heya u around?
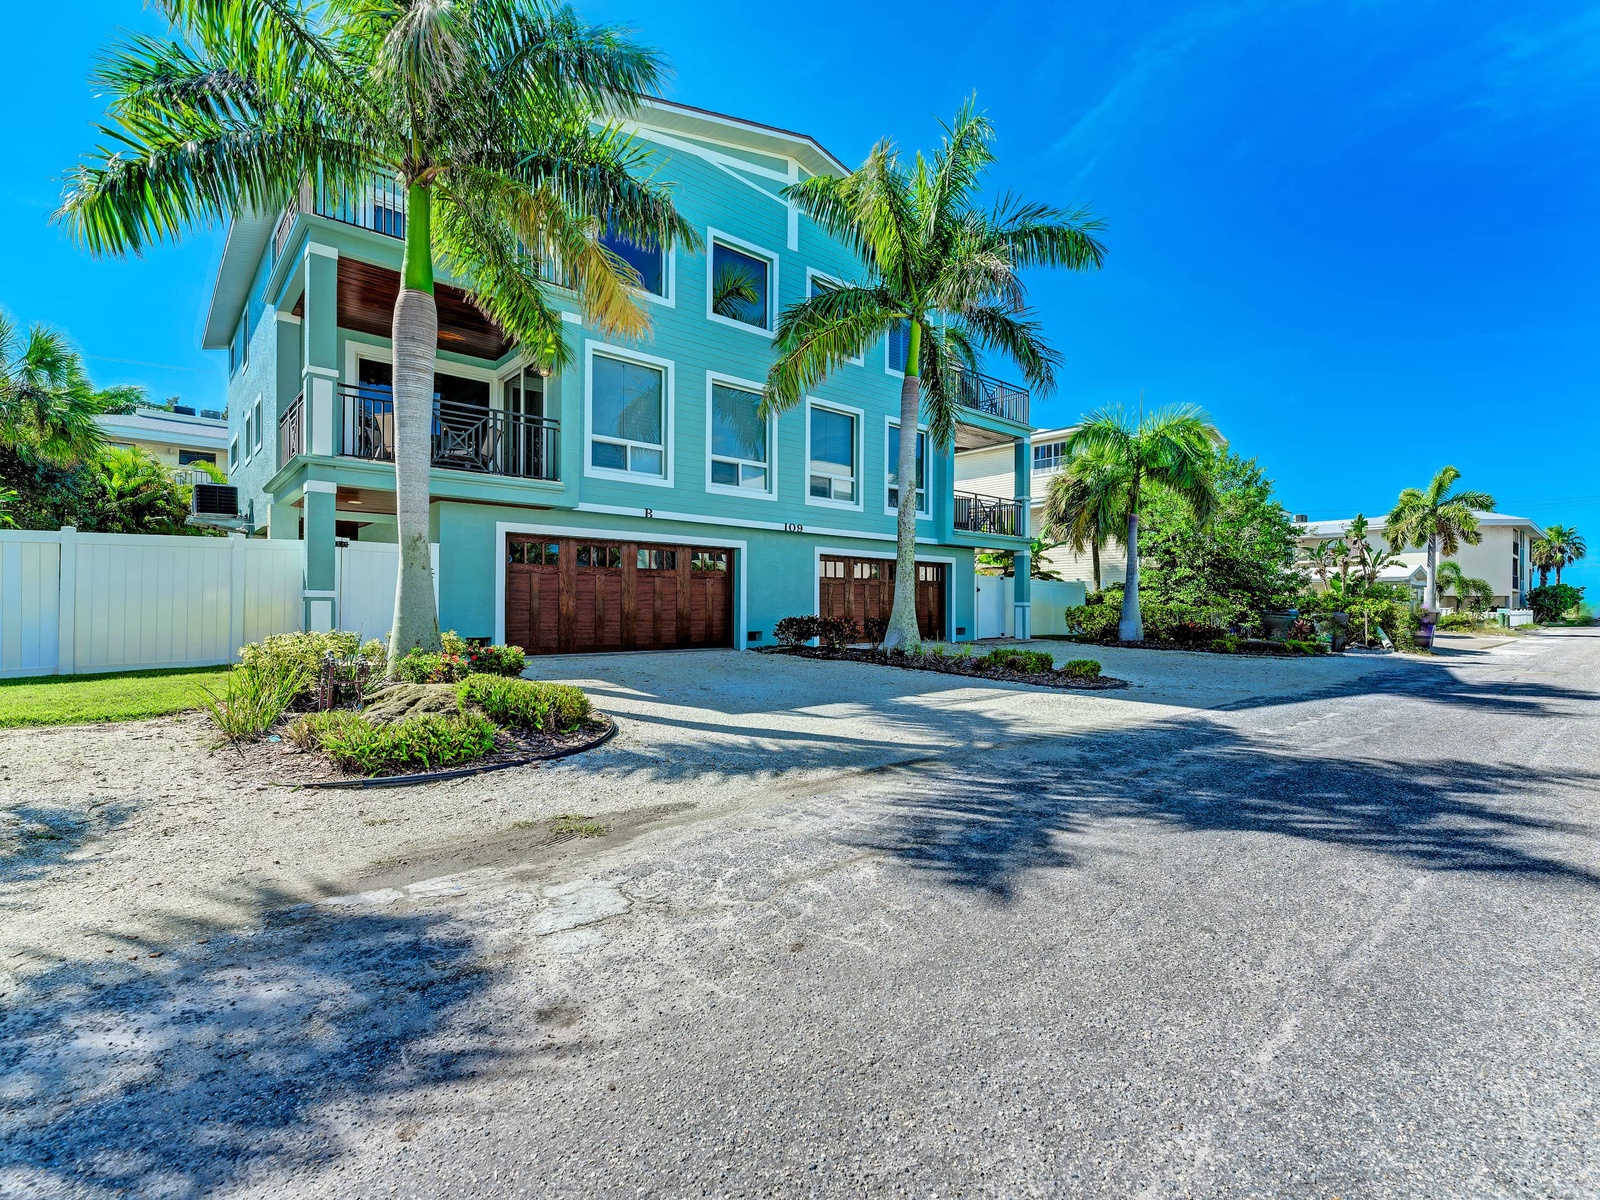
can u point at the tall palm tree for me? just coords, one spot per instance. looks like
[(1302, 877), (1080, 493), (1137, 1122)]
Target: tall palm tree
[(1546, 556), (943, 270), (1083, 506), (484, 111), (1440, 520), (47, 404), (1173, 449), (1566, 547)]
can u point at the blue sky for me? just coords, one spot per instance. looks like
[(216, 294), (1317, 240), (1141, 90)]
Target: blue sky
[(1362, 235)]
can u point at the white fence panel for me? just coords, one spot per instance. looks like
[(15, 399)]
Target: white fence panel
[(367, 575), (273, 577), (1051, 599), (1048, 600), (993, 605), (30, 603)]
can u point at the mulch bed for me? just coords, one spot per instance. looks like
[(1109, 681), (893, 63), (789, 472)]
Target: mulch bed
[(277, 760), (954, 665)]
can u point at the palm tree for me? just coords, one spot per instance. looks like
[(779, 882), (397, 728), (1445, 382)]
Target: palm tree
[(1472, 594), (1083, 506), (484, 111), (1173, 449), (1439, 519), (1566, 547), (47, 404), (942, 270), (1322, 560), (1546, 556)]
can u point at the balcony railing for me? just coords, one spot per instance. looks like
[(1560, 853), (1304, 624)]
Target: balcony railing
[(985, 394), (292, 430), (465, 437), (988, 514)]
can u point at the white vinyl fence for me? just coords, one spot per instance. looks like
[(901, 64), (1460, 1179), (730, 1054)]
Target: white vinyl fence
[(367, 575), (1049, 599), (73, 603)]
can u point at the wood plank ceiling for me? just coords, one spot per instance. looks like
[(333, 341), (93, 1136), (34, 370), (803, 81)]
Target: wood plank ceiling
[(366, 304)]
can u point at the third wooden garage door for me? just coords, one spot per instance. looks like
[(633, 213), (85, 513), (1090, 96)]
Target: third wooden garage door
[(571, 595), (859, 589)]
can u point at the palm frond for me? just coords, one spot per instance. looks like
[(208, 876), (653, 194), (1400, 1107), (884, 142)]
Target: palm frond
[(816, 337), (1019, 339), (1041, 235)]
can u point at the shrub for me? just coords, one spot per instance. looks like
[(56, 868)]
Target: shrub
[(1096, 620), (795, 631), (1228, 643), (831, 633), (421, 666), (1460, 620), (1302, 646), (416, 743), (873, 630), (287, 655), (1554, 601), (253, 698), (1081, 668), (495, 660), (526, 703), (1009, 658)]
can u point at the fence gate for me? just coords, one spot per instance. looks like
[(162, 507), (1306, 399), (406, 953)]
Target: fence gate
[(366, 575)]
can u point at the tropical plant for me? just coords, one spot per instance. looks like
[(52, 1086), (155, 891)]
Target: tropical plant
[(139, 495), (943, 272), (8, 497), (1564, 545), (252, 698), (486, 112), (1554, 602), (1322, 560), (1004, 562), (1081, 507), (1545, 558), (47, 404), (1472, 595), (1171, 450), (1439, 520)]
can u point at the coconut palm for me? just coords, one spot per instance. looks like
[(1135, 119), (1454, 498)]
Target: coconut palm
[(1566, 546), (941, 270), (1173, 449), (484, 111), (1083, 506), (1438, 519), (1472, 594), (47, 404), (1545, 557)]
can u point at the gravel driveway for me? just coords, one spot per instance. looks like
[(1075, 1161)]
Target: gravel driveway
[(1245, 929)]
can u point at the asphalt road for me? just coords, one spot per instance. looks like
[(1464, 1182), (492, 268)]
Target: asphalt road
[(1345, 945)]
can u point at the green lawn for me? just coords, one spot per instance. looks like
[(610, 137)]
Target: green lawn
[(81, 699)]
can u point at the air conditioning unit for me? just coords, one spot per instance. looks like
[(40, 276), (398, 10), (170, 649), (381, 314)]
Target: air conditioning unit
[(215, 500)]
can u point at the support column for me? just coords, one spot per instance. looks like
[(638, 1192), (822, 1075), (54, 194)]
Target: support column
[(283, 522), (1022, 579), (319, 596), (320, 374)]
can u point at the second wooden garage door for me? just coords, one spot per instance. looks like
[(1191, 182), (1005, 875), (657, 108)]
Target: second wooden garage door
[(570, 595), (860, 589)]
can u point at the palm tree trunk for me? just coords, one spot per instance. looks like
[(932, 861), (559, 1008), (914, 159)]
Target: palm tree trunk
[(1094, 554), (416, 339), (903, 633), (1430, 594), (1131, 627)]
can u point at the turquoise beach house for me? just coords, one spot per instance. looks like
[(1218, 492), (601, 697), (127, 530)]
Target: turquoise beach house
[(634, 500)]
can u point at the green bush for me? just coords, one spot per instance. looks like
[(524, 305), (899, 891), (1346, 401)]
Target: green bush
[(1081, 668), (422, 666), (253, 697), (1554, 601), (1300, 646), (1096, 620), (526, 703), (831, 632), (1009, 658), (1228, 643), (416, 743), (288, 655)]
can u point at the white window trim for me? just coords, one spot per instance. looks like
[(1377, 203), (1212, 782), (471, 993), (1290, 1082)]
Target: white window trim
[(861, 456), (261, 437), (669, 276), (234, 461), (773, 307), (887, 369), (722, 489), (811, 274), (668, 369), (891, 433)]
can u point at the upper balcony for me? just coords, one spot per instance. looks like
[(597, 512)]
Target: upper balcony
[(990, 397)]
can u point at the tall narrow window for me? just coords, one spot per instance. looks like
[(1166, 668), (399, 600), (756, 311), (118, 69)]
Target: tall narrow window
[(259, 423), (628, 413), (740, 286), (892, 470), (739, 435), (816, 285), (899, 346), (649, 261), (832, 469)]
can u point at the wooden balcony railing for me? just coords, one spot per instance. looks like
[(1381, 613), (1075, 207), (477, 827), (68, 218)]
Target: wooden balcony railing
[(465, 437), (988, 514)]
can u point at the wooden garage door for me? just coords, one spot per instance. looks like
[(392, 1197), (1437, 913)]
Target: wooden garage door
[(570, 595), (859, 589)]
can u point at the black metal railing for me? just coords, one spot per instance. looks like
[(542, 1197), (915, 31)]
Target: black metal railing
[(985, 394), (465, 437), (292, 430), (988, 514)]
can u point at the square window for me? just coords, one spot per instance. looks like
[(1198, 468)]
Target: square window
[(649, 261), (628, 415), (892, 469), (740, 286), (584, 553), (832, 467), (739, 439)]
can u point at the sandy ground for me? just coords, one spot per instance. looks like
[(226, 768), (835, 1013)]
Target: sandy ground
[(116, 836)]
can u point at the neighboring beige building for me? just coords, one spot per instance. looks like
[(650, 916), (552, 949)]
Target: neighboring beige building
[(988, 472), (174, 438), (1501, 557)]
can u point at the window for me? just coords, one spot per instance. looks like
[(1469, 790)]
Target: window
[(649, 261), (239, 348), (816, 285), (249, 433), (535, 554), (739, 285), (257, 442), (1047, 456), (740, 436), (604, 558), (657, 560), (233, 454), (892, 469), (899, 347), (627, 416), (187, 457), (831, 468), (709, 560)]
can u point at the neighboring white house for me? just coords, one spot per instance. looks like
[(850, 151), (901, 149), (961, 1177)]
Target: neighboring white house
[(174, 438), (1501, 557), (988, 472)]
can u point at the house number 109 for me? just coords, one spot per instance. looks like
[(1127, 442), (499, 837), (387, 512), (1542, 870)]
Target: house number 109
[(793, 528)]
